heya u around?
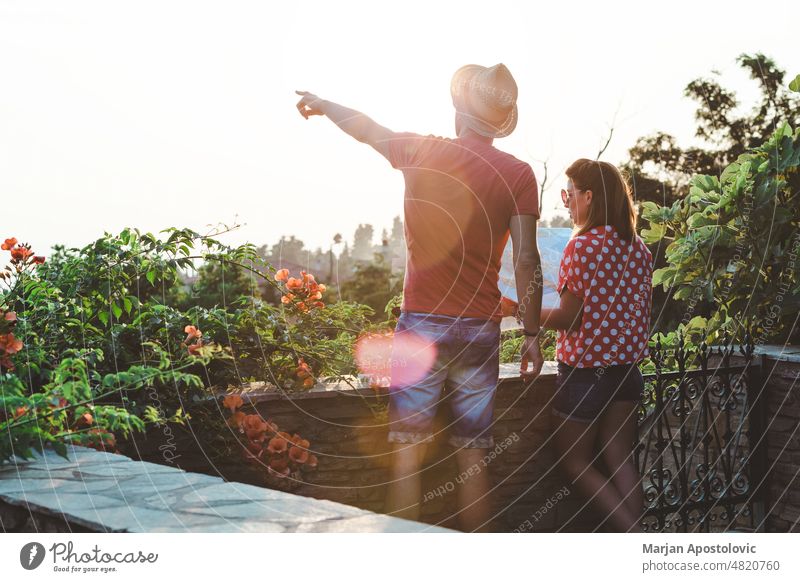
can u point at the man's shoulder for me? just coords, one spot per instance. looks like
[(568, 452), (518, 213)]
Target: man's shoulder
[(417, 136), (514, 165)]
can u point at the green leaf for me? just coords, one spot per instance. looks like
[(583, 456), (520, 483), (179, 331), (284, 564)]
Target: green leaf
[(103, 316), (654, 234), (116, 309), (60, 448), (683, 293), (151, 276), (648, 209), (663, 276), (795, 84)]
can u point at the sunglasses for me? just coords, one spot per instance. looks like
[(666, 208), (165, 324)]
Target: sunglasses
[(566, 194)]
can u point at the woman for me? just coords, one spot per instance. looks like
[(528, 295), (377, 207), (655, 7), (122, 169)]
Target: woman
[(605, 286)]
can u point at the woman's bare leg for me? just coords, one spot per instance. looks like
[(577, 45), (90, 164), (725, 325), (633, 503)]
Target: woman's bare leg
[(574, 442), (616, 435)]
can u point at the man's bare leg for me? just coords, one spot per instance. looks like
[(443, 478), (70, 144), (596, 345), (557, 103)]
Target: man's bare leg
[(405, 485), (473, 494)]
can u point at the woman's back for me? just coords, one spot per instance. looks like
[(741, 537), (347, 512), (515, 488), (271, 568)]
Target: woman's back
[(614, 279)]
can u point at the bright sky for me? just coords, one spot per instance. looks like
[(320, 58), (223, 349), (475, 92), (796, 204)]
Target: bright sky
[(154, 114)]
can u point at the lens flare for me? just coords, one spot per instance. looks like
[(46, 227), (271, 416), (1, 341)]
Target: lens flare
[(405, 358)]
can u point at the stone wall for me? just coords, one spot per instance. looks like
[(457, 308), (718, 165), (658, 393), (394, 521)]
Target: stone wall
[(349, 438), (783, 445)]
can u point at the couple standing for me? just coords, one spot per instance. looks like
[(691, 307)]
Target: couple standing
[(463, 199)]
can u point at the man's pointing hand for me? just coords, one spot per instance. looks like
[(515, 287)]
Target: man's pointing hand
[(309, 104)]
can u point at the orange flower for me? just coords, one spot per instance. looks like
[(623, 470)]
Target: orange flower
[(195, 348), (319, 304), (20, 253), (236, 419), (9, 244), (277, 445), (312, 461), (282, 275), (279, 467), (302, 306), (294, 284), (253, 426), (21, 411), (299, 441), (303, 369), (9, 344), (286, 299), (308, 383), (86, 419), (232, 401), (10, 316), (298, 455), (307, 277), (191, 333), (322, 288), (38, 260), (316, 295)]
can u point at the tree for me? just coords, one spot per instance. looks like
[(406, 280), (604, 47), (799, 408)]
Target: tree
[(733, 243), (287, 250), (218, 285), (362, 242), (372, 285), (660, 169)]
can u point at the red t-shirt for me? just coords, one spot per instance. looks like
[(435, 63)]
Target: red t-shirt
[(460, 197), (614, 278)]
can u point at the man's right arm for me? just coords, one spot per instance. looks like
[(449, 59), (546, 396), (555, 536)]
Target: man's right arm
[(527, 269), (352, 122), (528, 275)]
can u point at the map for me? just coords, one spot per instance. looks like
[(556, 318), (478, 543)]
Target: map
[(551, 242)]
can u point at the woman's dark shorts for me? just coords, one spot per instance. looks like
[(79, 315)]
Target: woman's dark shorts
[(583, 394)]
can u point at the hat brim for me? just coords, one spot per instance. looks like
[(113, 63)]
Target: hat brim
[(461, 102)]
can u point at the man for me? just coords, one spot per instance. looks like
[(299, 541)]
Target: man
[(463, 198)]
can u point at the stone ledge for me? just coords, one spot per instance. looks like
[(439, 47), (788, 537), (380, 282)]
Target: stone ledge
[(111, 493), (265, 391), (780, 353)]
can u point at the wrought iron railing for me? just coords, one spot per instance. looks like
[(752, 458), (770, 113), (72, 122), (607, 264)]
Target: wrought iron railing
[(701, 447)]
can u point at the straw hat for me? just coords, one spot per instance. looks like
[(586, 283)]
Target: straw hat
[(487, 99)]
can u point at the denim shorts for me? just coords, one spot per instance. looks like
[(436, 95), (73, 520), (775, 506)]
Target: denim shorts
[(582, 394), (455, 360)]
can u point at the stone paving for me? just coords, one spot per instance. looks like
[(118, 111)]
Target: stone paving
[(105, 492)]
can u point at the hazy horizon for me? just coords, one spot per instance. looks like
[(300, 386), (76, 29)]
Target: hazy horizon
[(178, 114)]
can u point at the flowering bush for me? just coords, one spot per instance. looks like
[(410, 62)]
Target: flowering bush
[(264, 444), (302, 293), (118, 315), (63, 409)]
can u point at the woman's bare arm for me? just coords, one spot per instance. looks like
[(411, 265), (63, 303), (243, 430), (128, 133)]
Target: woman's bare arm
[(567, 316)]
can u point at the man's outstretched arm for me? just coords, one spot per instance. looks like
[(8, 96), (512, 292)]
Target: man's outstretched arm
[(350, 121)]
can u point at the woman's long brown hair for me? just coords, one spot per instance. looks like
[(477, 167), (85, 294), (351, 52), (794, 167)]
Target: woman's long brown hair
[(612, 202)]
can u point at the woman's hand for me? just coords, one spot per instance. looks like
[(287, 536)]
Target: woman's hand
[(531, 353)]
